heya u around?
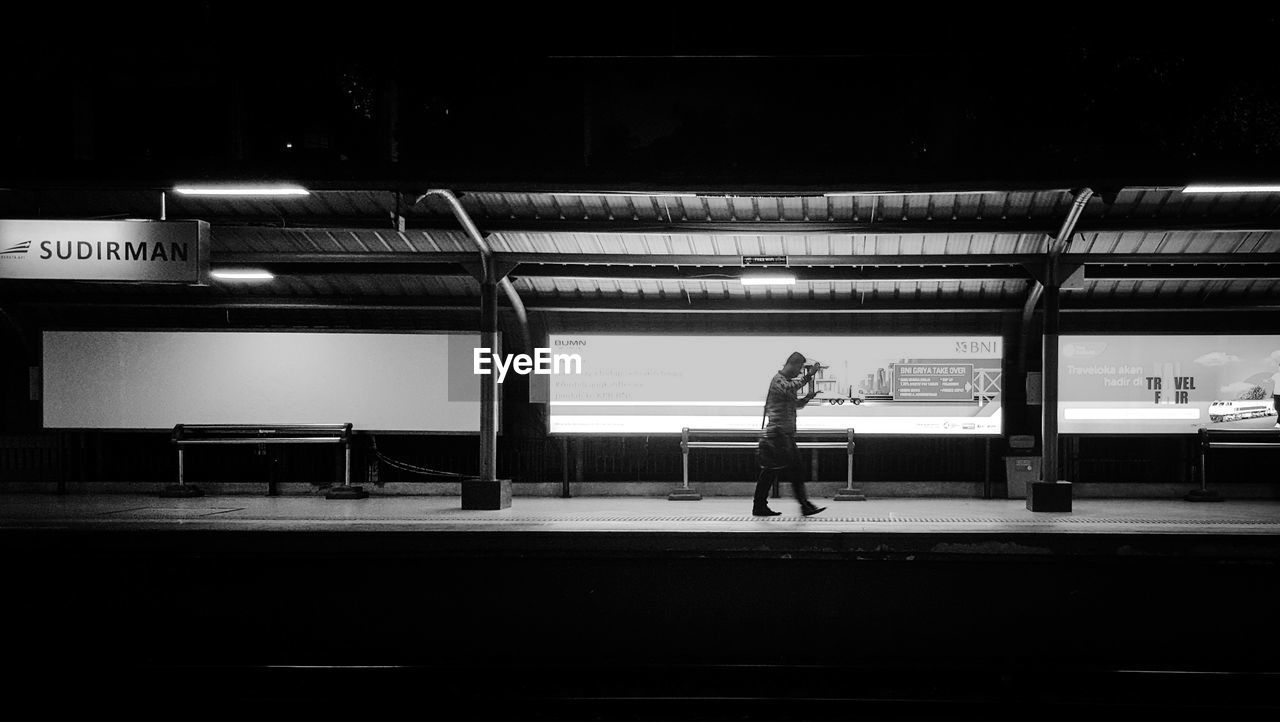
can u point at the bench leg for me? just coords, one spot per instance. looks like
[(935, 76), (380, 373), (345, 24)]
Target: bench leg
[(346, 491), (181, 490)]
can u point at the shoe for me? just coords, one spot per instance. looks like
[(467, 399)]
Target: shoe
[(764, 511), (810, 509)]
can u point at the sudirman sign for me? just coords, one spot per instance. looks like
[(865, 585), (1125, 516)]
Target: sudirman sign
[(136, 251)]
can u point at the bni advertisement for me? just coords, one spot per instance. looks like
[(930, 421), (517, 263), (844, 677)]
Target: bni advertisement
[(873, 384), (1166, 384)]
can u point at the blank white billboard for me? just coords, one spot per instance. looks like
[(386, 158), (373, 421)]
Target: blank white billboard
[(157, 379)]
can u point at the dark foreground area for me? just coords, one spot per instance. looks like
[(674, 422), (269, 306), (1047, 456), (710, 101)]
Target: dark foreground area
[(574, 626)]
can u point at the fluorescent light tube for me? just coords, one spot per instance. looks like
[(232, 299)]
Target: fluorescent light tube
[(245, 190), (242, 275), (768, 279), (1232, 189)]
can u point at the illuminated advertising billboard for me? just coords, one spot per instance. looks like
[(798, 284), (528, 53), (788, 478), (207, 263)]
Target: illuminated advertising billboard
[(1166, 384), (155, 379), (873, 384)]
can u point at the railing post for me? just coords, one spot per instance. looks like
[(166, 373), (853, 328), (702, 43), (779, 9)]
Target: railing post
[(181, 490), (849, 493), (565, 491), (346, 491), (1203, 493), (684, 493)]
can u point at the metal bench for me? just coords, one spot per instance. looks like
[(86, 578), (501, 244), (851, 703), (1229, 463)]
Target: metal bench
[(185, 435), (750, 439), (1229, 439)]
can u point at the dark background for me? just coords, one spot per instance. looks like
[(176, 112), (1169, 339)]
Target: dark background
[(607, 94), (601, 96)]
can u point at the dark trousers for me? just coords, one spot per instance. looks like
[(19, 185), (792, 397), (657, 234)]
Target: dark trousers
[(768, 476)]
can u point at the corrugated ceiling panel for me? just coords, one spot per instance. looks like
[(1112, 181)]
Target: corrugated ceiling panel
[(816, 245), (1266, 243), (612, 243), (968, 206), (681, 244), (486, 205), (931, 243), (599, 209), (716, 207), (1238, 287), (1095, 243), (552, 243), (742, 208), (910, 245), (539, 285), (1019, 204), (446, 241), (545, 205), (620, 208), (795, 208), (916, 207), (836, 208), (767, 209), (573, 207)]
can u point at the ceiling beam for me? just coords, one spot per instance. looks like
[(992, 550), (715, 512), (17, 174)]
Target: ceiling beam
[(727, 261), (1015, 226), (646, 303), (1181, 272)]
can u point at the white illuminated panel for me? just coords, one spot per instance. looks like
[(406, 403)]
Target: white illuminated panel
[(755, 404), (156, 379), (1166, 384), (1131, 414), (938, 385)]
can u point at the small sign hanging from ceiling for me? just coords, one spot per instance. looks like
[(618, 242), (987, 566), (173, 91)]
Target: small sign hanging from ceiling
[(764, 260), (124, 251)]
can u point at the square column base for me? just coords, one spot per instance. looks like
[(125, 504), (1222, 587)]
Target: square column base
[(1049, 496), (346, 492), (684, 495), (486, 495), (181, 491), (1203, 495), (849, 495)]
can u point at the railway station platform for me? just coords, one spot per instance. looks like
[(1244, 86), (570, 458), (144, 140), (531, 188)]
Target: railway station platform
[(609, 608)]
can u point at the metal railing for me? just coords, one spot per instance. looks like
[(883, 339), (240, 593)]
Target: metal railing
[(1229, 439), (259, 435), (750, 439)]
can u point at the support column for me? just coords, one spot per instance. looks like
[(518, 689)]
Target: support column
[(1050, 493), (488, 492)]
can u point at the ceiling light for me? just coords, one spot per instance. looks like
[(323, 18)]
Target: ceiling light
[(247, 274), (641, 194), (1232, 189), (243, 190), (768, 279)]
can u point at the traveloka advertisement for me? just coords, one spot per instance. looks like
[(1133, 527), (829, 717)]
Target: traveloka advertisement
[(1166, 384)]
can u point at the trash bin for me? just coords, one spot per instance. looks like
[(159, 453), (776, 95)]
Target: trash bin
[(1020, 471)]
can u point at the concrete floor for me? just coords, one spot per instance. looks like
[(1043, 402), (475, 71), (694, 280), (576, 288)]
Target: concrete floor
[(601, 514)]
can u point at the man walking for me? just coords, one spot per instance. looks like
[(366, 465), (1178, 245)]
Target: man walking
[(779, 457)]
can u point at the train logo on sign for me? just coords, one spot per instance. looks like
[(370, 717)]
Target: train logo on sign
[(17, 250)]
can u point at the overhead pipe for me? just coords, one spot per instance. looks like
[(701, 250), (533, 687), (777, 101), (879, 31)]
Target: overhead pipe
[(487, 265), (1057, 245)]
